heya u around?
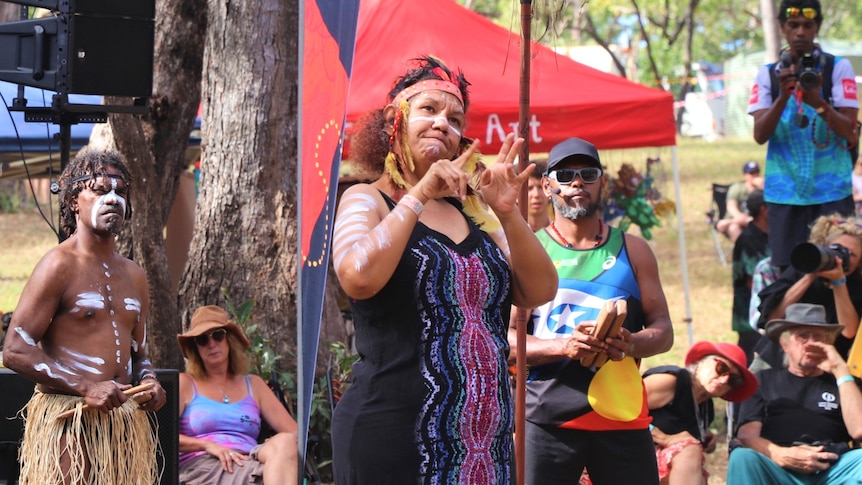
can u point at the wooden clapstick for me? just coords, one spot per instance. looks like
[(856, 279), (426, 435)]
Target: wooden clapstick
[(614, 329), (604, 321), (128, 392)]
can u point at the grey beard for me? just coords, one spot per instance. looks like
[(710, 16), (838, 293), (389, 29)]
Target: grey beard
[(574, 213)]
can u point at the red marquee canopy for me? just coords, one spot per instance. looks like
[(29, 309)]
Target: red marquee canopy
[(566, 98)]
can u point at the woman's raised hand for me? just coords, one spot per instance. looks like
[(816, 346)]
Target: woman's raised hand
[(499, 185), (446, 178)]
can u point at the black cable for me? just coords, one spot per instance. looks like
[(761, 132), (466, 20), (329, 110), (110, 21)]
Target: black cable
[(27, 168)]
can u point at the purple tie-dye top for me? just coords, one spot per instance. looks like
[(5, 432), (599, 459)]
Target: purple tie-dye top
[(234, 425)]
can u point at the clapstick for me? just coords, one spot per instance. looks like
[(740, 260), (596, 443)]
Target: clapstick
[(128, 392), (613, 330), (604, 321)]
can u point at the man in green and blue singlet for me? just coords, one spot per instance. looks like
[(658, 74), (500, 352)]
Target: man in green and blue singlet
[(586, 417)]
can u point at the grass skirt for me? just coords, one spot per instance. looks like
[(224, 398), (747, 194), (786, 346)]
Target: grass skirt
[(117, 448)]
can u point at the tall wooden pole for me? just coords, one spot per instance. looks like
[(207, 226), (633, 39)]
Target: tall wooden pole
[(523, 160)]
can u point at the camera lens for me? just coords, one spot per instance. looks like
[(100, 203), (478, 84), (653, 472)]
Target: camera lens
[(808, 80), (811, 258)]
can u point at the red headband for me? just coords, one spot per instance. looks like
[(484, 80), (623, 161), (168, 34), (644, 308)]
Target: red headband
[(428, 85)]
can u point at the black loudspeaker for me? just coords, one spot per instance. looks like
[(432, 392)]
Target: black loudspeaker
[(169, 427), (100, 47), (16, 391)]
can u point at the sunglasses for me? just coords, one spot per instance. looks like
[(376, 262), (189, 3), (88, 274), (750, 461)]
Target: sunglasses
[(723, 369), (807, 12), (217, 335), (565, 176)]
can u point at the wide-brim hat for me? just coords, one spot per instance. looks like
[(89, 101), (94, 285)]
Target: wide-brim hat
[(734, 354), (801, 315), (575, 149), (206, 319)]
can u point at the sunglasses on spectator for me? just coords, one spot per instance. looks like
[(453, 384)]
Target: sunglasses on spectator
[(722, 368), (807, 12), (565, 176), (217, 335)]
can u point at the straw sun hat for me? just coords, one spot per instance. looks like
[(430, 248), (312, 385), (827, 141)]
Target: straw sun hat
[(205, 320)]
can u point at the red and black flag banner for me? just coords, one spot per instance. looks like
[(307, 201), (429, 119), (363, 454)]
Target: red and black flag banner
[(327, 36)]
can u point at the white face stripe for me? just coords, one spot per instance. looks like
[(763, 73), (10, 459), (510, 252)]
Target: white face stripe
[(434, 119), (101, 201)]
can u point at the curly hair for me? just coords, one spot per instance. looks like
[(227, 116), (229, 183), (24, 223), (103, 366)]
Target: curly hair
[(369, 142), (826, 229), (74, 179)]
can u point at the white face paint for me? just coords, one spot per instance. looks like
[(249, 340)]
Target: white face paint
[(103, 200), (25, 336), (435, 119)]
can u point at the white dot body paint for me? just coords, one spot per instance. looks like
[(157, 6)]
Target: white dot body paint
[(102, 200), (25, 336)]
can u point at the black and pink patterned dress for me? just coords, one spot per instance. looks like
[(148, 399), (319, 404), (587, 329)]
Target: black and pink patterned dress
[(430, 401)]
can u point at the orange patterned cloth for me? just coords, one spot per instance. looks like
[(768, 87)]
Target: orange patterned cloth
[(664, 456)]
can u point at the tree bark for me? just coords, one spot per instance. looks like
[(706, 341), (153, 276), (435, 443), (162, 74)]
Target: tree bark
[(771, 33), (245, 231), (155, 146)]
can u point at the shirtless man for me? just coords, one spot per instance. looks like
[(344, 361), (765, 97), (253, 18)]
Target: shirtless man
[(79, 330)]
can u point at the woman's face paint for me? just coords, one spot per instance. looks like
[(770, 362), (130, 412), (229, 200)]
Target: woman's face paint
[(435, 124)]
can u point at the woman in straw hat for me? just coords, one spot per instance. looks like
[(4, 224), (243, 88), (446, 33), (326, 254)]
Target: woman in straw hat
[(221, 406), (680, 403)]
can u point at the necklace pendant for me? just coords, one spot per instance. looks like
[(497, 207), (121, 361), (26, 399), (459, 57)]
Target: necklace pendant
[(226, 400)]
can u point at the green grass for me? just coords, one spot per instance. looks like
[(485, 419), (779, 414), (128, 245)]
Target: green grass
[(24, 238)]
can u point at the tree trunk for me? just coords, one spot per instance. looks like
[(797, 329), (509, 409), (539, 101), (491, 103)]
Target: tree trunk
[(771, 32), (155, 146), (245, 231), (9, 12)]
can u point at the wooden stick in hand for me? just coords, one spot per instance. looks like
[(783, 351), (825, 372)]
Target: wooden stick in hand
[(128, 392)]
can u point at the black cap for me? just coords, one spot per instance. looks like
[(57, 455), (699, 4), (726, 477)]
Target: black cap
[(754, 203), (751, 167), (575, 149)]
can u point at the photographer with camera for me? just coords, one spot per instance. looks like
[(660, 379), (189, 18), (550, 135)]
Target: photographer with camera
[(805, 107), (825, 271), (804, 422)]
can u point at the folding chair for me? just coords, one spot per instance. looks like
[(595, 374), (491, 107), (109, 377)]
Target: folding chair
[(716, 213)]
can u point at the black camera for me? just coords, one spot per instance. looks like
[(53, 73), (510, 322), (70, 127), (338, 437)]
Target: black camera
[(811, 258), (806, 68)]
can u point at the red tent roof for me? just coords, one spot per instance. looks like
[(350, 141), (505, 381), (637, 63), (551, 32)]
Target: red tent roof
[(566, 98)]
